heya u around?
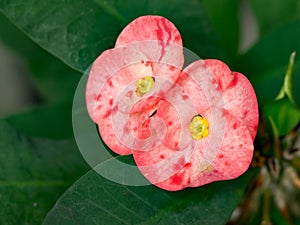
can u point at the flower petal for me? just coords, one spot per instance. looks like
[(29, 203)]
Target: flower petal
[(232, 160), (241, 101), (192, 168), (238, 94), (111, 88), (119, 67), (110, 62), (168, 44), (164, 167), (149, 28)]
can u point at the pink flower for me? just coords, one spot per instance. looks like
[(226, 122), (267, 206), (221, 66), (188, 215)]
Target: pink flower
[(185, 128)]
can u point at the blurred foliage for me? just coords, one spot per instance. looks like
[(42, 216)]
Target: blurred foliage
[(265, 64), (53, 79), (272, 14), (34, 173), (224, 19)]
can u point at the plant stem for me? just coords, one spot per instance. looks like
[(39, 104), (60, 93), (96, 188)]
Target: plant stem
[(277, 149), (266, 220)]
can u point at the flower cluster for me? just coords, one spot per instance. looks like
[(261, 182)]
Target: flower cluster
[(185, 127)]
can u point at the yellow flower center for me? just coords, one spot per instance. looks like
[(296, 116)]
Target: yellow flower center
[(144, 85), (199, 127)]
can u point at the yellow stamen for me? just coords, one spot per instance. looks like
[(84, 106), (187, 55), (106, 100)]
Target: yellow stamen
[(144, 85), (199, 127)]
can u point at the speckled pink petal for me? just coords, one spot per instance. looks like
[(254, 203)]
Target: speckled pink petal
[(100, 89), (165, 167), (122, 66), (193, 169), (232, 160), (149, 28), (238, 94), (113, 72), (241, 101)]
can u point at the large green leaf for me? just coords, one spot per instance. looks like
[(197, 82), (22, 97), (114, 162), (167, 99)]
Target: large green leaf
[(34, 173), (266, 63), (278, 13), (78, 31), (95, 200), (224, 17), (50, 121), (53, 80)]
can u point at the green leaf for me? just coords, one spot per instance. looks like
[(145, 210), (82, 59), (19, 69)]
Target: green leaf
[(95, 200), (78, 31), (224, 18), (284, 114), (51, 121), (286, 89), (278, 13), (266, 63), (53, 80), (34, 173)]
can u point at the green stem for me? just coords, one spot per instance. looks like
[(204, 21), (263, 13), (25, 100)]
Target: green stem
[(266, 219), (277, 149)]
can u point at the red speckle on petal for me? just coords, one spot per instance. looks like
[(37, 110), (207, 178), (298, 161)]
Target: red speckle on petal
[(170, 123), (175, 145), (233, 82), (159, 33), (220, 156), (98, 107), (110, 83), (176, 179), (234, 126), (162, 156), (148, 63), (255, 127), (189, 181), (111, 102), (187, 165), (107, 114), (98, 97), (177, 38), (142, 61), (172, 68), (227, 163), (185, 97)]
